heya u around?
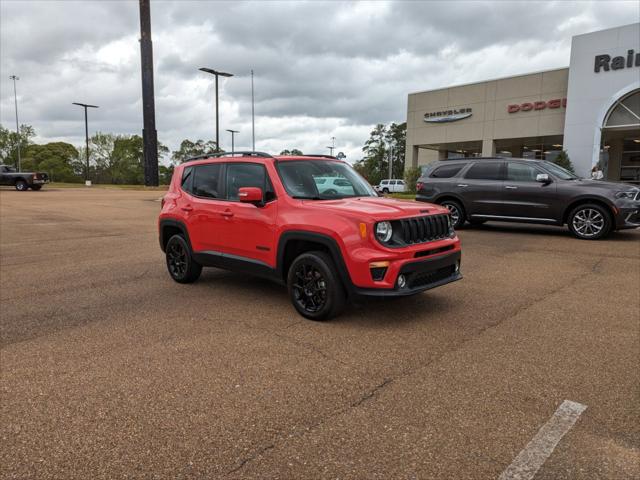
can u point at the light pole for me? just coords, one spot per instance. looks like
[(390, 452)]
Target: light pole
[(15, 99), (216, 74), (86, 135), (233, 134), (149, 132), (253, 117)]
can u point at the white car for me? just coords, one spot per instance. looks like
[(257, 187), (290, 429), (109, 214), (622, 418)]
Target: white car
[(391, 186), (333, 186)]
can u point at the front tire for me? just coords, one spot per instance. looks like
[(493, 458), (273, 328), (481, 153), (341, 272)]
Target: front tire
[(457, 212), (590, 222), (36, 187), (180, 263), (315, 287), (21, 186), (385, 190)]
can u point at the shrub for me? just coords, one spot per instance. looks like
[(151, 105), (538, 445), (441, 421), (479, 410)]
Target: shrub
[(563, 161), (411, 176)]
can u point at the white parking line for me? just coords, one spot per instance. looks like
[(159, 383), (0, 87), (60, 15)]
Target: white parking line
[(533, 456)]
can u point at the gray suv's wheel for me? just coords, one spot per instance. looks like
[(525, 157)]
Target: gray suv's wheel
[(590, 222), (457, 212)]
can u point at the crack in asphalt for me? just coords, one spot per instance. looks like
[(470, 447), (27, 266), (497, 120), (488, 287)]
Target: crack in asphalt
[(594, 269)]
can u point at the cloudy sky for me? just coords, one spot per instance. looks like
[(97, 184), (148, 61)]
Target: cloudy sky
[(322, 69)]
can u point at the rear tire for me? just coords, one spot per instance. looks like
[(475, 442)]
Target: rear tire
[(457, 212), (180, 263), (315, 287), (21, 186), (590, 221)]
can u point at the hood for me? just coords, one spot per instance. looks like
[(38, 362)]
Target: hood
[(378, 208)]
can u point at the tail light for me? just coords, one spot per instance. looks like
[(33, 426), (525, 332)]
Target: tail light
[(162, 202), (419, 186)]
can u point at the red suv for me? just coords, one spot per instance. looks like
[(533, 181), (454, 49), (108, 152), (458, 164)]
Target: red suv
[(278, 217)]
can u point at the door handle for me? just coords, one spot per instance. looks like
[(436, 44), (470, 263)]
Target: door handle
[(187, 208), (510, 187), (463, 185), (227, 214)]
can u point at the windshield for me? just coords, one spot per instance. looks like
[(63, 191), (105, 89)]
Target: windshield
[(560, 172), (322, 180)]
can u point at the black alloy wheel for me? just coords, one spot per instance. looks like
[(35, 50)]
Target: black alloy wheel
[(182, 267), (21, 186), (456, 211), (315, 289)]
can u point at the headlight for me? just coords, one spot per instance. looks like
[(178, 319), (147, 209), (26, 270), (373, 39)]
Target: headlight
[(629, 194), (384, 230)]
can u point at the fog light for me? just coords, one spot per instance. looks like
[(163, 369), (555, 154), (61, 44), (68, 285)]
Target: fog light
[(402, 282), (458, 266)]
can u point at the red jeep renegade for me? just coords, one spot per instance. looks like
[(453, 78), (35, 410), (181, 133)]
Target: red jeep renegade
[(310, 222)]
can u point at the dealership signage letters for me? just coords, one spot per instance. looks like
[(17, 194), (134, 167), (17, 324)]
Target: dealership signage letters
[(606, 63), (541, 105), (447, 115)]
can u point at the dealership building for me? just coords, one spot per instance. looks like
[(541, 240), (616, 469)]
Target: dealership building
[(590, 109)]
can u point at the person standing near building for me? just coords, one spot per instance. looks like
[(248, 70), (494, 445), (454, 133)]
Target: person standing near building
[(596, 173)]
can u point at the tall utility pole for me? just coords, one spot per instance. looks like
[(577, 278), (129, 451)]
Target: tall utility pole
[(390, 162), (333, 145), (233, 145), (86, 136), (253, 117), (216, 74), (15, 99), (149, 132)]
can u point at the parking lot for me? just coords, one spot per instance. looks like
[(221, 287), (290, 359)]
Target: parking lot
[(109, 369)]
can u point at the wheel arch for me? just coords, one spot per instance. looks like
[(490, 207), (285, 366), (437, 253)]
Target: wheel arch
[(452, 196), (293, 243), (170, 227), (584, 200)]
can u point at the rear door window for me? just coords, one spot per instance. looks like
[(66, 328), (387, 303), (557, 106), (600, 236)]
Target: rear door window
[(447, 171), (485, 171), (207, 180)]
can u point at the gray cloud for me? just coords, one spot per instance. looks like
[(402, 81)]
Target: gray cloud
[(322, 68)]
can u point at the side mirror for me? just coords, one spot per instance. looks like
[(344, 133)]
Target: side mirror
[(250, 195), (543, 178)]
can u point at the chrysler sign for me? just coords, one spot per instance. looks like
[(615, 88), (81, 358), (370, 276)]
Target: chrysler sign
[(447, 115)]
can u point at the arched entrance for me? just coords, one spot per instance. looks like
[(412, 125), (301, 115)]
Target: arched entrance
[(620, 145)]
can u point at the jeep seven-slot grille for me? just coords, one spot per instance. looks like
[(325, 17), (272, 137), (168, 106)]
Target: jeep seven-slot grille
[(424, 229)]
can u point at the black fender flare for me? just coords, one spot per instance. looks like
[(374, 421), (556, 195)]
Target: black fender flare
[(324, 240), (169, 222)]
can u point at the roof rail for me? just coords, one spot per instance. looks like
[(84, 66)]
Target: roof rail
[(247, 153), (321, 155)]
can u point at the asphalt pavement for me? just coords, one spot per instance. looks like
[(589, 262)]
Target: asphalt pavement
[(109, 369)]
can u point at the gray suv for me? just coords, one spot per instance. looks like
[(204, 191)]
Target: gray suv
[(532, 191)]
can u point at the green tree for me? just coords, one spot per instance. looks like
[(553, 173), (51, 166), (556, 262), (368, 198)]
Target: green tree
[(119, 158), (9, 141), (374, 166), (564, 161), (190, 149), (396, 138), (293, 152), (59, 159)]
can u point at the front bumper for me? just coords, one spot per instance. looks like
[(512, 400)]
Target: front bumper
[(628, 218), (421, 275), (39, 181)]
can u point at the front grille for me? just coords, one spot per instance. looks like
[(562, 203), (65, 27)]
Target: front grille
[(426, 278), (424, 229)]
